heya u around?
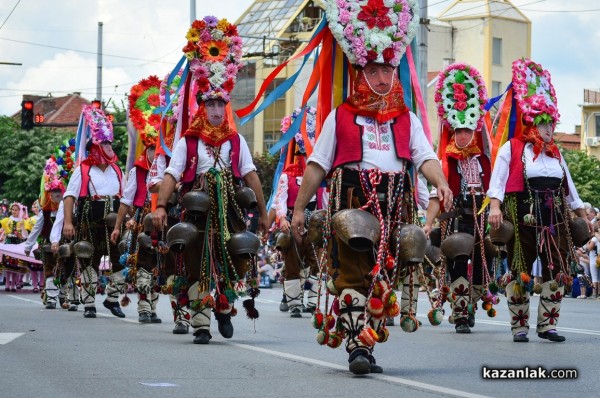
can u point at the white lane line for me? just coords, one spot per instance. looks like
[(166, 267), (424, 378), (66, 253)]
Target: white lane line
[(6, 338), (393, 379), (502, 323), (106, 315)]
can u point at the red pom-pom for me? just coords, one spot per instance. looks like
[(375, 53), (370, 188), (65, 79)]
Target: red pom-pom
[(368, 336), (393, 310), (322, 337), (389, 263), (330, 322), (317, 320), (375, 307), (335, 306), (335, 340)]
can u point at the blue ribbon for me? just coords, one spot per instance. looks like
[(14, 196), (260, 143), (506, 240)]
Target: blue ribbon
[(276, 175), (492, 101), (289, 135), (404, 74), (283, 87)]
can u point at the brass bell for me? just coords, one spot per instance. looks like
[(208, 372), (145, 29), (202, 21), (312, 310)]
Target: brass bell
[(458, 244), (357, 228), (110, 220), (283, 242), (243, 244), (315, 227), (148, 226), (580, 233), (413, 243), (83, 249), (180, 235), (37, 254), (502, 235), (433, 254), (47, 248), (196, 201), (65, 250), (435, 236), (246, 198), (144, 242)]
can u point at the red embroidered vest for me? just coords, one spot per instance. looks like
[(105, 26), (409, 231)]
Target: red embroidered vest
[(85, 179), (191, 161), (454, 177), (141, 193), (348, 132)]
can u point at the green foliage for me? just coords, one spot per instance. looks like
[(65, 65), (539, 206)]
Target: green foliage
[(265, 168), (23, 157), (585, 170)]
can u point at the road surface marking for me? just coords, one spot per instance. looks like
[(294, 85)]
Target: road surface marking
[(6, 338)]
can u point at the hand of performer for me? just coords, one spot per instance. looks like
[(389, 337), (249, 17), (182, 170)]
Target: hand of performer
[(68, 231), (445, 195), (263, 226), (54, 248), (427, 229), (114, 236), (284, 226), (297, 226), (159, 218), (495, 216)]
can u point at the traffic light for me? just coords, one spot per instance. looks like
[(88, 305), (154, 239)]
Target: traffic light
[(27, 115), (39, 119)]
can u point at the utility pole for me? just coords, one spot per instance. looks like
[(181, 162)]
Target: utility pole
[(99, 72), (422, 48), (192, 11)]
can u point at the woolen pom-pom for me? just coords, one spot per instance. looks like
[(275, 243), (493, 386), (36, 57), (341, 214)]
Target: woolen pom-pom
[(322, 337), (491, 313), (368, 336), (435, 316), (393, 310), (375, 307), (409, 323), (383, 334), (335, 306), (330, 320), (335, 340), (317, 319)]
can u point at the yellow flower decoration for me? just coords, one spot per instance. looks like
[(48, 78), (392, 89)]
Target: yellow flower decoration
[(222, 25), (193, 35)]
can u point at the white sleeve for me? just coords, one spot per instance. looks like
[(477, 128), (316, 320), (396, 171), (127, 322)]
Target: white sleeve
[(57, 227), (35, 232), (422, 194), (573, 198), (130, 188), (177, 164), (420, 148), (280, 201), (500, 172), (157, 171), (246, 164), (74, 186), (324, 149)]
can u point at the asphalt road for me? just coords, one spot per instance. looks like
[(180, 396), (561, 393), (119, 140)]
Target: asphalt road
[(56, 353)]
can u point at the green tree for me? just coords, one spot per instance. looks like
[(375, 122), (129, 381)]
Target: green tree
[(585, 170), (265, 168), (22, 158)]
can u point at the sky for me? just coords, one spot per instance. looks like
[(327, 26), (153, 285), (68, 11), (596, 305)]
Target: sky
[(56, 42)]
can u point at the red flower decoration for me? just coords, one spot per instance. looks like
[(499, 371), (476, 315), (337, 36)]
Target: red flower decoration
[(374, 14), (371, 55), (388, 54), (228, 85), (153, 100), (521, 318), (552, 316)]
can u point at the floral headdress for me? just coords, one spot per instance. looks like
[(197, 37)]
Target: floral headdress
[(311, 118), (22, 210), (373, 30), (172, 113), (100, 128), (460, 95), (52, 179), (143, 100), (534, 93), (214, 50)]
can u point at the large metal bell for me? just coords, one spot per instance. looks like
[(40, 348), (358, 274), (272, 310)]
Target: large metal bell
[(283, 242), (315, 227), (83, 249), (65, 250), (148, 226), (180, 235), (458, 244), (243, 244), (144, 242), (246, 198), (435, 236), (357, 228), (491, 250), (433, 254), (413, 243), (196, 201), (580, 233), (502, 235), (110, 220), (47, 248), (37, 254)]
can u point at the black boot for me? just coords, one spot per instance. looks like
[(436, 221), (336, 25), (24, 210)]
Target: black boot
[(154, 318), (90, 312), (144, 317), (359, 362), (225, 326), (552, 336), (202, 337), (114, 308), (181, 328)]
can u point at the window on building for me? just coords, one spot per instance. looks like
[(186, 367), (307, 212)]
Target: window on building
[(597, 121), (496, 87), (497, 51)]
